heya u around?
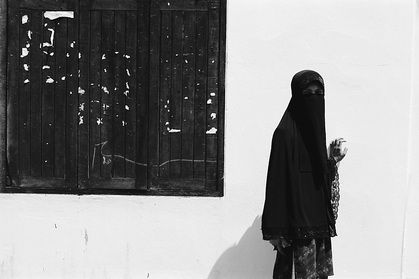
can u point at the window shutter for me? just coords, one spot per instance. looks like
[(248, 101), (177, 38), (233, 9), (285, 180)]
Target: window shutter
[(110, 96), (113, 95), (41, 150), (185, 95)]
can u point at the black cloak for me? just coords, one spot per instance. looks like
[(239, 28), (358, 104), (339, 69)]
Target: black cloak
[(298, 187)]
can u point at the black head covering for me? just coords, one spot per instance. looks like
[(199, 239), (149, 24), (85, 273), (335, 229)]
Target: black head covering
[(297, 203)]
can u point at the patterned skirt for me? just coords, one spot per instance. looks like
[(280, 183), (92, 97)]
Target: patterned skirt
[(308, 258)]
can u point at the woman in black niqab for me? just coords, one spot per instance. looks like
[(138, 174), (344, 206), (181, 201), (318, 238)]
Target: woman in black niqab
[(298, 204)]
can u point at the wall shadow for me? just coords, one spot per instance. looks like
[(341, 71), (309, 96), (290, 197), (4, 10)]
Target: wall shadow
[(250, 258)]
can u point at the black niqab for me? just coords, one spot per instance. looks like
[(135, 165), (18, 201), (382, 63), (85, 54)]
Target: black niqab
[(297, 203)]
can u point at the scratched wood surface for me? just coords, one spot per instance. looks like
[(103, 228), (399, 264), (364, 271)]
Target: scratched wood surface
[(184, 94), (115, 95)]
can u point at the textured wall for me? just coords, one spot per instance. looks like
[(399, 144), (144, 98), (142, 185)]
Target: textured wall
[(364, 50)]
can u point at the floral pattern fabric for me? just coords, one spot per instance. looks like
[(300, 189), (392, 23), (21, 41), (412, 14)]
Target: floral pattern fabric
[(312, 258)]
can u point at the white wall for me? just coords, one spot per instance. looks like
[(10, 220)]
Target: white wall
[(364, 50)]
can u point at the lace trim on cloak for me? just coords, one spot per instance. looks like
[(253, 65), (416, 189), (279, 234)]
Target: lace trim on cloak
[(324, 231), (335, 194)]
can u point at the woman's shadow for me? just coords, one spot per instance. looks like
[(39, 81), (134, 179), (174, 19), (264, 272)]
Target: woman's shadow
[(250, 258)]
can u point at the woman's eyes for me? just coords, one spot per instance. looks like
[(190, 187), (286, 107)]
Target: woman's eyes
[(316, 92)]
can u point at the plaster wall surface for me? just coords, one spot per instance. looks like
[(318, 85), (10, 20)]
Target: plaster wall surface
[(368, 54)]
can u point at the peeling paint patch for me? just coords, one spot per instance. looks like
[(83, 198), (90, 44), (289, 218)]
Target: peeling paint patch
[(25, 52), (25, 19), (81, 91), (213, 115), (26, 81), (52, 15), (209, 102), (105, 89), (51, 43), (49, 80), (212, 131), (26, 67), (81, 120)]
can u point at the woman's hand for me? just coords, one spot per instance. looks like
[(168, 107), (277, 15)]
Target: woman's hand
[(280, 244), (335, 150)]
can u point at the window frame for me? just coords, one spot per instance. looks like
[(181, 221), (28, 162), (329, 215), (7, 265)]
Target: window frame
[(4, 185)]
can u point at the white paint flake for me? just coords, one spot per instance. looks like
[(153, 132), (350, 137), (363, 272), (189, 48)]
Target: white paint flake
[(105, 89), (212, 94), (209, 102), (26, 81), (126, 107), (99, 121), (126, 93), (174, 130), (49, 80), (81, 91), (30, 34), (127, 56), (126, 85), (45, 67), (124, 123), (52, 15), (81, 119), (25, 52), (72, 44), (68, 54), (51, 38), (63, 78), (79, 55), (128, 73), (81, 107), (103, 56), (213, 115), (26, 67), (25, 19), (212, 131)]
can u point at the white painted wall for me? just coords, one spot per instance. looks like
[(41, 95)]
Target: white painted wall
[(364, 50)]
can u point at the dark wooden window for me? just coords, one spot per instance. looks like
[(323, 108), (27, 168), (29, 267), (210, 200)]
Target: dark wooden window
[(116, 96)]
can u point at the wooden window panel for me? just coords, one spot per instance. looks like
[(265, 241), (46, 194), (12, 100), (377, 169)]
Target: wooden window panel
[(128, 99)]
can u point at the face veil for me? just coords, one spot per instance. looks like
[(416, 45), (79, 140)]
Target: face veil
[(308, 112)]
